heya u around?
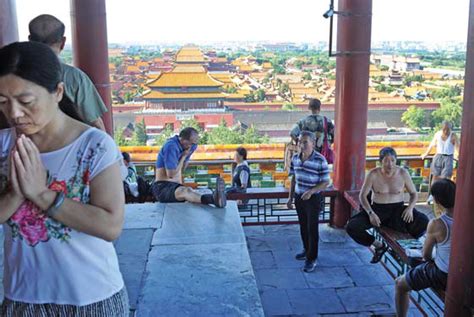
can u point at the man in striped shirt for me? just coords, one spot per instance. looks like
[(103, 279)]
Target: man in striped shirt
[(310, 175)]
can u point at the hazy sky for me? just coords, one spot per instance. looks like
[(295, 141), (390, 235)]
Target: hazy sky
[(201, 21)]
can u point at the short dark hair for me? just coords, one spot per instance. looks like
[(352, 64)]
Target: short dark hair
[(126, 156), (387, 151), (314, 104), (186, 133), (242, 152), (444, 192), (46, 29), (31, 61), (309, 134)]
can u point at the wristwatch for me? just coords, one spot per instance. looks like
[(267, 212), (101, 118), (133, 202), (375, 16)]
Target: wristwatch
[(54, 208)]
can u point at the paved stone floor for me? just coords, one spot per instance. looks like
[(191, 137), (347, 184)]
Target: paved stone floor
[(343, 284)]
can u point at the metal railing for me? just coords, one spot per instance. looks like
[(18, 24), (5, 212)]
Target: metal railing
[(426, 299), (268, 206)]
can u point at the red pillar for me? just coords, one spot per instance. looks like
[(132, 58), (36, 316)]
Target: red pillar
[(352, 79), (8, 33), (89, 39), (460, 295)]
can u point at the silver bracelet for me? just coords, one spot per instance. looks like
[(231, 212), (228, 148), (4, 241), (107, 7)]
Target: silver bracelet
[(57, 203)]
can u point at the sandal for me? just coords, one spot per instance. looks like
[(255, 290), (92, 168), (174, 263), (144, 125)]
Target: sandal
[(378, 253)]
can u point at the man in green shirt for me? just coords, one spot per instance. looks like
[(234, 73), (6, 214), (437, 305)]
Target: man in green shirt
[(83, 100)]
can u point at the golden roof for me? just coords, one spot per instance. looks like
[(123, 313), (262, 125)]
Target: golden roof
[(189, 54), (184, 79), (184, 95), (222, 77), (132, 68), (245, 68), (188, 68)]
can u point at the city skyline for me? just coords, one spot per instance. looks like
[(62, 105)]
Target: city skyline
[(207, 21)]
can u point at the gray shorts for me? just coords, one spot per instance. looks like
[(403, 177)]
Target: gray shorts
[(426, 275), (442, 165)]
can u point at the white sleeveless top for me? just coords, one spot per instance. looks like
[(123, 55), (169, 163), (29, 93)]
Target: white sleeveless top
[(46, 261), (445, 147), (443, 249)]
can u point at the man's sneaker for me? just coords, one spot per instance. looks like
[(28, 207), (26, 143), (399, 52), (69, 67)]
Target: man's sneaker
[(301, 256), (309, 266), (219, 194)]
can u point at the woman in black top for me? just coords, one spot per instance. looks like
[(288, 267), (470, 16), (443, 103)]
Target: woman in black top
[(241, 175)]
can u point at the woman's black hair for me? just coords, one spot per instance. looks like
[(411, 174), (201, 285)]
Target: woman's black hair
[(444, 192), (387, 151), (31, 61), (242, 152)]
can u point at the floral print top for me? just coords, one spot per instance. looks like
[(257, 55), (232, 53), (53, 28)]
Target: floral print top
[(46, 261)]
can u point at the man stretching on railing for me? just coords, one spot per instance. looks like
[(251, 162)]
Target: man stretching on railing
[(172, 160), (387, 184), (310, 175)]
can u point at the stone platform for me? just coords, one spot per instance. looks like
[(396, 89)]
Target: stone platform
[(187, 260)]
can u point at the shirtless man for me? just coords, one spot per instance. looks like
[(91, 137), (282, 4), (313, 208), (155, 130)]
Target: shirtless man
[(387, 184), (172, 160)]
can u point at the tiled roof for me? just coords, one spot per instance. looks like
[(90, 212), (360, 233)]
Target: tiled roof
[(184, 79), (184, 95)]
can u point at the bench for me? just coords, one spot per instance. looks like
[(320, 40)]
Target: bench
[(390, 237)]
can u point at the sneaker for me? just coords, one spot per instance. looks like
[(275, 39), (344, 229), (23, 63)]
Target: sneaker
[(309, 266), (219, 194), (301, 256)]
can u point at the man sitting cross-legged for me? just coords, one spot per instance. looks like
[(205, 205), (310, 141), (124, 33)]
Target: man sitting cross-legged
[(172, 160)]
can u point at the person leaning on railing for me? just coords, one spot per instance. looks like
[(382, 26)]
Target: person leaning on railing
[(64, 204)]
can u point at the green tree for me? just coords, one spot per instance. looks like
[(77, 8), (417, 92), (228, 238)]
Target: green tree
[(139, 136), (288, 107), (230, 90), (415, 78), (251, 136), (128, 96), (224, 135), (278, 69), (250, 97), (384, 88), (260, 95), (383, 68), (191, 122), (448, 92), (450, 110), (119, 137), (414, 117), (299, 64), (164, 135), (307, 76), (284, 88)]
